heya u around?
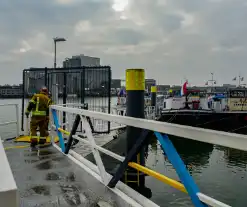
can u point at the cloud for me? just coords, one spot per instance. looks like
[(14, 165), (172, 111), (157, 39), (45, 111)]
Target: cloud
[(169, 38)]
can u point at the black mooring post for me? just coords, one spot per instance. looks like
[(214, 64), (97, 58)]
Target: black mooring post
[(64, 96), (73, 131), (46, 79), (24, 96), (109, 98), (83, 85), (135, 87), (153, 95), (141, 141)]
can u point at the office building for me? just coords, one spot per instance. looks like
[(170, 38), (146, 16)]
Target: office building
[(95, 78), (81, 60), (11, 91)]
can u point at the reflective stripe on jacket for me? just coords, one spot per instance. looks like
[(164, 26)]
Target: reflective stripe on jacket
[(39, 105)]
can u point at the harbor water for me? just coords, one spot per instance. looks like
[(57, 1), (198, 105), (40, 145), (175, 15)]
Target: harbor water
[(218, 171)]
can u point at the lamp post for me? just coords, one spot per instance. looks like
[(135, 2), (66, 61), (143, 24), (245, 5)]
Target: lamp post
[(57, 39), (55, 90), (212, 80), (240, 79)]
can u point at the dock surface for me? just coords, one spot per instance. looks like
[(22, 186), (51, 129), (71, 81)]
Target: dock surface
[(48, 178)]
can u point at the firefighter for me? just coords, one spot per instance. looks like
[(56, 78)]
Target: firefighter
[(39, 105)]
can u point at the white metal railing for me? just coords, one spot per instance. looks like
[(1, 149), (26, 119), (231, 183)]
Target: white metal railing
[(100, 124), (231, 140), (16, 121), (8, 190)]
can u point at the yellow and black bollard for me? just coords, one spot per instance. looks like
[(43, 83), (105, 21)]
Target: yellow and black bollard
[(135, 88), (153, 98), (153, 95)]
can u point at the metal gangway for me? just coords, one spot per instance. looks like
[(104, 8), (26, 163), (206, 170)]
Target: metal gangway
[(123, 194)]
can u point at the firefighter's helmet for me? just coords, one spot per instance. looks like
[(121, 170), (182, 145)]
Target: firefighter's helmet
[(44, 90)]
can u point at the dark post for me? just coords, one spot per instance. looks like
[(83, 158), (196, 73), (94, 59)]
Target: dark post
[(55, 54), (64, 95), (135, 87), (153, 98), (24, 96), (153, 95), (109, 97), (46, 78), (83, 85)]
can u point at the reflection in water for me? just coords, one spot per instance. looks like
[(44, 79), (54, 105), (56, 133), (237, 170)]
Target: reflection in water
[(193, 153), (236, 158)]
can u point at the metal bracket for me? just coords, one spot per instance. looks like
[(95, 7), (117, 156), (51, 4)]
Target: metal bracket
[(132, 153), (60, 136), (73, 131), (95, 151)]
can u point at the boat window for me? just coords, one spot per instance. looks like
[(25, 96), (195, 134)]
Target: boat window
[(238, 93), (195, 94)]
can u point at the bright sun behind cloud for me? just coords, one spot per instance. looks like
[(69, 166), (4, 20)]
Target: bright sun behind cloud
[(120, 5)]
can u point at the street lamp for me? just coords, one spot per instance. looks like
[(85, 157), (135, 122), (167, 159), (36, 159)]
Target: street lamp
[(55, 90), (240, 79), (212, 80), (57, 39)]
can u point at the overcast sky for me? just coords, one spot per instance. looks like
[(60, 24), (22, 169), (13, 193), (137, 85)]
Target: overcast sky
[(171, 39)]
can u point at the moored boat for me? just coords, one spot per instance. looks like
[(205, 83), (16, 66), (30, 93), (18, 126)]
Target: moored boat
[(223, 112)]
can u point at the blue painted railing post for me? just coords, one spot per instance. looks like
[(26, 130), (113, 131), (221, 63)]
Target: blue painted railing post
[(60, 136), (180, 168)]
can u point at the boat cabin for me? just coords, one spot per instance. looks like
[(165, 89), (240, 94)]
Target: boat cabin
[(237, 100), (191, 100), (217, 102)]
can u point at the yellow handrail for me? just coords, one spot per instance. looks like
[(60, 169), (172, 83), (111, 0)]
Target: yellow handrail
[(158, 176), (63, 131)]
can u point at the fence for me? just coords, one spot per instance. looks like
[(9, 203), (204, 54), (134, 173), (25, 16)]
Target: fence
[(8, 191), (16, 121), (91, 85), (160, 129)]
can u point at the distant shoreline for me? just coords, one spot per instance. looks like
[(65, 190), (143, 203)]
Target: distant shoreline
[(10, 97), (20, 97)]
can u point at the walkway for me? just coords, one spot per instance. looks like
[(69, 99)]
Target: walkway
[(48, 178)]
